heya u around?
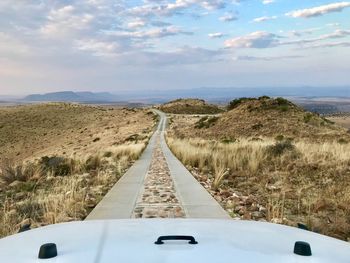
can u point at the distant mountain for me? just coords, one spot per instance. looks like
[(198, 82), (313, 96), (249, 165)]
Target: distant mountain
[(224, 94), (211, 94), (70, 96)]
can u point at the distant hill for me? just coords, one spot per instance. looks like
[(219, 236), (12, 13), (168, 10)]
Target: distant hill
[(70, 96), (250, 117), (221, 94), (189, 106)]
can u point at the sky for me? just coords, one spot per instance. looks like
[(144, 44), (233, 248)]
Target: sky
[(111, 45)]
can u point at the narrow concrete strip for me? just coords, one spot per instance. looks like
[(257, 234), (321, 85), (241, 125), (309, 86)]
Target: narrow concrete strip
[(195, 200), (119, 203)]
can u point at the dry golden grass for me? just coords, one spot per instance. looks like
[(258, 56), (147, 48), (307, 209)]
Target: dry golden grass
[(57, 160), (189, 106), (342, 120), (62, 129), (46, 196), (296, 182), (259, 117)]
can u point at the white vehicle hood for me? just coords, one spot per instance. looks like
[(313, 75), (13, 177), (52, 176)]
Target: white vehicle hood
[(132, 240)]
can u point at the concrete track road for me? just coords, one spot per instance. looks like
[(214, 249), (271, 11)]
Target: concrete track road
[(157, 186)]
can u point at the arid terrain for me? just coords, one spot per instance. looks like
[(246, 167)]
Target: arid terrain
[(341, 119), (58, 160), (269, 160), (189, 106)]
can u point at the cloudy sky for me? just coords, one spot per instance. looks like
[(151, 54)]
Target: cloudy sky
[(111, 45)]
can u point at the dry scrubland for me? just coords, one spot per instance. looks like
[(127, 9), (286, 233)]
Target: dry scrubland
[(189, 106), (342, 120), (58, 160), (269, 160)]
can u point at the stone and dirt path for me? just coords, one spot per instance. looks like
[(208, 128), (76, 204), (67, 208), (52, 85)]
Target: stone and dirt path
[(157, 186), (158, 197)]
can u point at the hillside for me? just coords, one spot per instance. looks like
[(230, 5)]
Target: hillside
[(65, 129), (189, 106), (58, 160), (263, 117), (269, 160)]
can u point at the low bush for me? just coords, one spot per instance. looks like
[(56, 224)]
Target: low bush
[(282, 101), (280, 147), (307, 117), (264, 98), (10, 173), (342, 141), (236, 102), (279, 137), (206, 122), (57, 166), (228, 140), (93, 163), (257, 126)]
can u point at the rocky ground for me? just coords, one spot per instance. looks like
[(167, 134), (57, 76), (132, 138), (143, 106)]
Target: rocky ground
[(239, 206), (158, 197)]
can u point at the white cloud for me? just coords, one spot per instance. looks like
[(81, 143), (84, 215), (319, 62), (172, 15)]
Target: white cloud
[(228, 18), (262, 39), (298, 33), (98, 48), (136, 24), (330, 45), (336, 34), (154, 8), (63, 21), (216, 35), (264, 18), (259, 39), (254, 58), (151, 33), (266, 2), (320, 10), (333, 24)]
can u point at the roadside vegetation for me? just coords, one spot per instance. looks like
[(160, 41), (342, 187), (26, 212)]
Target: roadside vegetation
[(59, 160), (57, 189), (276, 181), (256, 117), (287, 178), (190, 106)]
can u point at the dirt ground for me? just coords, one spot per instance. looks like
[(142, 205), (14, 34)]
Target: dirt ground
[(32, 131), (342, 121)]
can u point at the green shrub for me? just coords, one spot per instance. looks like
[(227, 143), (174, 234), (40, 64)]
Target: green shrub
[(30, 209), (282, 101), (255, 139), (279, 137), (27, 186), (328, 121), (132, 138), (228, 140), (108, 154), (236, 102), (264, 98), (257, 126), (206, 122), (283, 108), (307, 117), (58, 166), (280, 148), (342, 141), (93, 163), (10, 172)]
